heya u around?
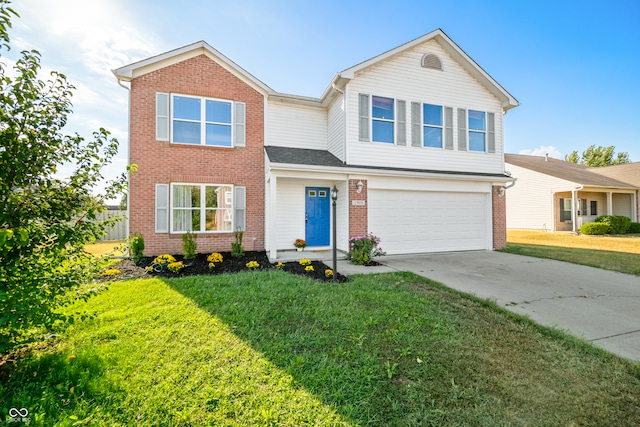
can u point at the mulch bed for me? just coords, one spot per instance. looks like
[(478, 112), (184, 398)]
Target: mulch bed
[(200, 266)]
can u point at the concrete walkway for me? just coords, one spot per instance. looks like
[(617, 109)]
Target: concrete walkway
[(598, 305)]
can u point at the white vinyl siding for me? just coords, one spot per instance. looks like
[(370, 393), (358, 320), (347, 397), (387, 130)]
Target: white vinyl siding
[(297, 126), (402, 77), (621, 205), (530, 202), (336, 128), (290, 211)]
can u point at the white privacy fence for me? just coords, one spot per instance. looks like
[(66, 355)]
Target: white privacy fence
[(119, 230)]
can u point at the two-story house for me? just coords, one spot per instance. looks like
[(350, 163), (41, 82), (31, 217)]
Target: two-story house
[(412, 139)]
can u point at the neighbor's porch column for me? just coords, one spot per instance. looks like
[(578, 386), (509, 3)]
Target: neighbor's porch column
[(574, 211), (273, 251), (609, 203)]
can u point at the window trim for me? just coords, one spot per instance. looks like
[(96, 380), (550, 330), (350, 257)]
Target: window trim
[(563, 211), (425, 125), (392, 121), (203, 120), (476, 131), (203, 208)]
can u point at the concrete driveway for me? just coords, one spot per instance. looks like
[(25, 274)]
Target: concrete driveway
[(598, 305)]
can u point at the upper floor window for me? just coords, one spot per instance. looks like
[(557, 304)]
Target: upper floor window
[(194, 120), (432, 125), (383, 119), (201, 121), (477, 131)]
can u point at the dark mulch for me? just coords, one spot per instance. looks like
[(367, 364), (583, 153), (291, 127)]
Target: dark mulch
[(200, 266)]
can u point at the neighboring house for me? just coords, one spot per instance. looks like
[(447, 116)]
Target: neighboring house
[(412, 139), (629, 173), (556, 195)]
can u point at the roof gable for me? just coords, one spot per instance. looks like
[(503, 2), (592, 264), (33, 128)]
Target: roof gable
[(131, 71), (507, 100), (573, 172)]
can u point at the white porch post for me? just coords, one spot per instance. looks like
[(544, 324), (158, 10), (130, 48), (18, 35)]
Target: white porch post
[(574, 211), (609, 203), (273, 217)]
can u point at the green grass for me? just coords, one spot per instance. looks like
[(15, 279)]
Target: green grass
[(268, 348), (608, 260), (616, 253)]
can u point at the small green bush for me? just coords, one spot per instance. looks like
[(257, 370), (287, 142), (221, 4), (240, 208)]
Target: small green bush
[(594, 228), (362, 249), (635, 227), (189, 246), (237, 251), (136, 247), (617, 224)]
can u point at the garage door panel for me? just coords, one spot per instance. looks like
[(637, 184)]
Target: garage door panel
[(422, 221)]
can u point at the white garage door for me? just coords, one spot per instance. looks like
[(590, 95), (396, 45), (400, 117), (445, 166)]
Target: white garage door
[(422, 221)]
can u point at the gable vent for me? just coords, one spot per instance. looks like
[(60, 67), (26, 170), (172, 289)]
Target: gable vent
[(431, 61)]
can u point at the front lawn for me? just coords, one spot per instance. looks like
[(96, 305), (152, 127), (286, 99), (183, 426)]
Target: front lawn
[(270, 348), (617, 253)]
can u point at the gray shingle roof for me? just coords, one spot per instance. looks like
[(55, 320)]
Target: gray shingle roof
[(573, 172), (629, 173), (305, 156)]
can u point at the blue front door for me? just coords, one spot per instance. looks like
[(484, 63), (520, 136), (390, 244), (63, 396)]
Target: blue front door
[(317, 216)]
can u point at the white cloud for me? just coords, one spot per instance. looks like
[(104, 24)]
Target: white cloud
[(544, 150)]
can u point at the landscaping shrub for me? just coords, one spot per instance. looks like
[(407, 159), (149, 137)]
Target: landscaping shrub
[(189, 246), (635, 227), (237, 251), (594, 228), (136, 247), (617, 224), (362, 249)]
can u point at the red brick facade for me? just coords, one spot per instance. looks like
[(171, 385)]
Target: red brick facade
[(163, 163), (358, 213), (499, 208)]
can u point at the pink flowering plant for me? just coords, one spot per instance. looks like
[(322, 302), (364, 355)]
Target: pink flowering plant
[(362, 249)]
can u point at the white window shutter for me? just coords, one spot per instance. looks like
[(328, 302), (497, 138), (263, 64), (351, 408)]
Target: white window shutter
[(402, 122), (448, 128), (162, 208), (162, 116), (462, 129), (491, 132), (240, 125), (363, 108), (416, 124), (240, 209)]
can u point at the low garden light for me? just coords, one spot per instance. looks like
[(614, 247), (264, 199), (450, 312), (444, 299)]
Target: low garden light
[(334, 198)]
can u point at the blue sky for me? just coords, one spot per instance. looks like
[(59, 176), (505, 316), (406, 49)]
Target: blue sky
[(573, 65)]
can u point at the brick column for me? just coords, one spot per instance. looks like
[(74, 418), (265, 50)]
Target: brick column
[(499, 211), (358, 212)]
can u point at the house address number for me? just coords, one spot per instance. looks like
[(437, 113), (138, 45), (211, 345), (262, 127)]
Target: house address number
[(358, 202)]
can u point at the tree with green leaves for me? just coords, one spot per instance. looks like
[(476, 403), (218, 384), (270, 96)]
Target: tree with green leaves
[(598, 156), (45, 219)]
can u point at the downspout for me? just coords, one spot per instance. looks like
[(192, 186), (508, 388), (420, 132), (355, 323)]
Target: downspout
[(128, 146)]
